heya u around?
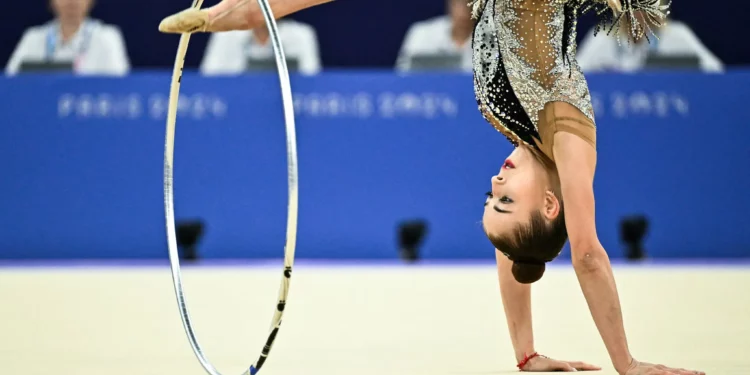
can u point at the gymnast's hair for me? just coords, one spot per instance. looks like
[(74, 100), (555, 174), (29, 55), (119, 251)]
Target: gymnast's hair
[(532, 245)]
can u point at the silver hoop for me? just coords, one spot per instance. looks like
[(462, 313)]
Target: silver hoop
[(292, 207)]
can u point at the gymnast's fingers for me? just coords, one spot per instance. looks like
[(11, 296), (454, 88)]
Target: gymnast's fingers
[(682, 371), (566, 367), (582, 366)]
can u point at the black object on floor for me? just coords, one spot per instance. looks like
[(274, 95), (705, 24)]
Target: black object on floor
[(189, 234), (411, 235), (633, 231)]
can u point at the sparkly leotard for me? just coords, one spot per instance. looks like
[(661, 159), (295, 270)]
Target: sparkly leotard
[(524, 58)]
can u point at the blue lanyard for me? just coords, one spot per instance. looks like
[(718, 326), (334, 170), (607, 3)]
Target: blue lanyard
[(86, 30)]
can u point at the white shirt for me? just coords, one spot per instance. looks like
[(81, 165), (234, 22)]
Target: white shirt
[(432, 37), (604, 53), (227, 53), (95, 49)]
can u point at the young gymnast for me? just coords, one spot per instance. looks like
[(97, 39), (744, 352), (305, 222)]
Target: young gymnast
[(529, 87)]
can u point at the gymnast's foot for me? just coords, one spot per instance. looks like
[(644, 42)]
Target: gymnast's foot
[(226, 16), (187, 21)]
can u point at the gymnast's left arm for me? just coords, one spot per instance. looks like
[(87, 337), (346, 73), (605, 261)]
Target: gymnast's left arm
[(576, 164)]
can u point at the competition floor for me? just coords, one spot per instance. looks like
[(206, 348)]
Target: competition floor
[(355, 320)]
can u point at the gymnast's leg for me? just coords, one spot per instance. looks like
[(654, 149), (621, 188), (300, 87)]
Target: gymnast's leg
[(230, 15)]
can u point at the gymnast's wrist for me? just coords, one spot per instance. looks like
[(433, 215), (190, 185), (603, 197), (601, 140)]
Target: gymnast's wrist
[(623, 363), (525, 353)]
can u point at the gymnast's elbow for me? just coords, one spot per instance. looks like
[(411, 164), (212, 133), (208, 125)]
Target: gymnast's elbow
[(589, 258)]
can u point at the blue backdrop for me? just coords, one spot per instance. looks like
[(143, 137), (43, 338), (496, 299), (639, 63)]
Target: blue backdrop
[(82, 164)]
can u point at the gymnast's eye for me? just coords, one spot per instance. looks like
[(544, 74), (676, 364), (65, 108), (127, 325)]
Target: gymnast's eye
[(505, 199)]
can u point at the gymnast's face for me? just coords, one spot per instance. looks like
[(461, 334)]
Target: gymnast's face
[(521, 187), (71, 9)]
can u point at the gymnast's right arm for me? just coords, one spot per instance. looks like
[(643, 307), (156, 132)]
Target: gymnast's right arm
[(576, 163)]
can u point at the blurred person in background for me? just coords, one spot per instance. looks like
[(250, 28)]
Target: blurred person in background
[(675, 39), (230, 53), (449, 34), (93, 47)]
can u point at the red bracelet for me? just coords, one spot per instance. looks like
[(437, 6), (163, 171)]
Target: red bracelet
[(526, 359)]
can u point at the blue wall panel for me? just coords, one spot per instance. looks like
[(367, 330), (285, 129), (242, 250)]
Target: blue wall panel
[(82, 164)]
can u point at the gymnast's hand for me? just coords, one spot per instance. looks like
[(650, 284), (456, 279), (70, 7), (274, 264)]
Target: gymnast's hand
[(642, 368), (544, 364)]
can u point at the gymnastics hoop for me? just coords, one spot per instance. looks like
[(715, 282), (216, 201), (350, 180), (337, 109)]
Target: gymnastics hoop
[(292, 206)]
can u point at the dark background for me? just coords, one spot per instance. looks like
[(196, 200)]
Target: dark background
[(352, 33)]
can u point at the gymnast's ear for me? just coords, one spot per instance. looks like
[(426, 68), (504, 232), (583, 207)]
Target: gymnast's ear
[(552, 206)]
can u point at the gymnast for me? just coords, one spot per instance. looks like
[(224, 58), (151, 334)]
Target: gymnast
[(529, 87)]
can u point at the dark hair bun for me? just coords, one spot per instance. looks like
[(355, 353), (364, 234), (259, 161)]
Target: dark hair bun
[(527, 273)]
